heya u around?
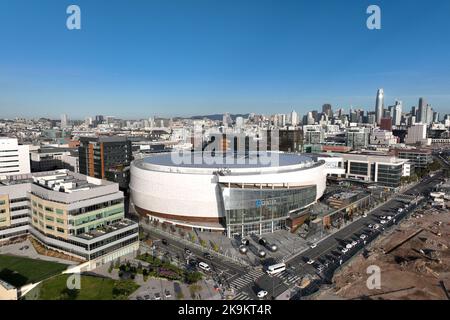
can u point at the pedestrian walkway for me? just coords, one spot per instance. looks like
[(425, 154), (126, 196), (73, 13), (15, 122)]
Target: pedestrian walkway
[(287, 278), (246, 279), (242, 296)]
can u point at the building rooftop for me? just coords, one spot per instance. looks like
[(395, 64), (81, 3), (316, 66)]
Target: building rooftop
[(59, 180), (226, 160), (107, 229)]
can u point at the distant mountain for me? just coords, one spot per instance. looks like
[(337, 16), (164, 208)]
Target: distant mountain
[(219, 117)]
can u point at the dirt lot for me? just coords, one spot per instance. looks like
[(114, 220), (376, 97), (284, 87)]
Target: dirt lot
[(415, 269)]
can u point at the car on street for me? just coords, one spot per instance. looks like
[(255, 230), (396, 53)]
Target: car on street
[(344, 250), (310, 261), (363, 236), (383, 221), (261, 294), (370, 226), (164, 242), (389, 217), (349, 246), (365, 215), (208, 255), (204, 266), (187, 251), (313, 245)]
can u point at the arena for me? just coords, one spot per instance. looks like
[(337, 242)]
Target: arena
[(232, 193)]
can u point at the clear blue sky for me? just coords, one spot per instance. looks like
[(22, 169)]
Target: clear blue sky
[(137, 58)]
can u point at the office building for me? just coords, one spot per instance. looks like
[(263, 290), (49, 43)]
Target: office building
[(417, 134), (381, 169), (357, 138), (419, 158), (76, 215), (14, 158), (106, 158)]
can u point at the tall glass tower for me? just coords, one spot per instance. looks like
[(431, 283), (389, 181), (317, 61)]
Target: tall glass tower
[(379, 106)]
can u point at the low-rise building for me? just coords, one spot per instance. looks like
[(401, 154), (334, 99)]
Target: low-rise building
[(77, 215)]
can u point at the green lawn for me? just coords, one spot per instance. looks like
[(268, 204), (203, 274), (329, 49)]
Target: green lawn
[(91, 288), (19, 271)]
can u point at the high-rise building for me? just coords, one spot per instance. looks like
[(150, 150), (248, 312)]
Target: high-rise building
[(435, 116), (386, 124), (294, 118), (396, 113), (428, 114), (417, 134), (421, 111), (64, 121), (357, 138), (326, 109), (379, 106), (106, 158), (14, 158), (99, 119)]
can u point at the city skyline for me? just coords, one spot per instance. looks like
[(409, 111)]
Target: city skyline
[(253, 57)]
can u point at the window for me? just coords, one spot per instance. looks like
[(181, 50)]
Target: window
[(59, 211), (60, 221), (2, 202), (48, 209), (49, 227), (48, 218)]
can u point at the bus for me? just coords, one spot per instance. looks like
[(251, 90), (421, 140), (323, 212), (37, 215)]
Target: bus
[(276, 268)]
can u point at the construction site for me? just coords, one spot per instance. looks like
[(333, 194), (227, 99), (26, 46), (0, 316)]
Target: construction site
[(414, 262)]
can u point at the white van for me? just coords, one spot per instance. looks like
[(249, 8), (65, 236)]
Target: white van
[(276, 268), (204, 266)]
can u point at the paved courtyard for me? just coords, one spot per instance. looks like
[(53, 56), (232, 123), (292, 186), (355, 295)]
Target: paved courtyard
[(26, 249)]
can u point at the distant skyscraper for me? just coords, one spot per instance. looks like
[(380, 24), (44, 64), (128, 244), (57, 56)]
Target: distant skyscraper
[(99, 119), (421, 112), (396, 113), (435, 116), (294, 118), (379, 106), (64, 120), (326, 108)]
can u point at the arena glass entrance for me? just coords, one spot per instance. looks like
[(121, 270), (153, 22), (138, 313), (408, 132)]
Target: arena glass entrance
[(253, 210)]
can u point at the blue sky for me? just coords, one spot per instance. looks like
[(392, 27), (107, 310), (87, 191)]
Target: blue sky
[(138, 58)]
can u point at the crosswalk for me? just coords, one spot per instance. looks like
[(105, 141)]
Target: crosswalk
[(246, 279), (242, 296), (288, 278)]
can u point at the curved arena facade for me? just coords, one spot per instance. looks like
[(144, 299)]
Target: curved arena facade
[(229, 193)]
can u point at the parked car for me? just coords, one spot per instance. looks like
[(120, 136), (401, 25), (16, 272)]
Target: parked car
[(363, 236), (157, 296), (165, 242), (310, 261), (344, 250), (261, 294), (187, 251), (167, 294), (313, 245), (383, 221)]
